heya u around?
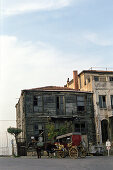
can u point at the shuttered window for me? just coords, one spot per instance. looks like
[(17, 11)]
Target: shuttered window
[(80, 127), (60, 104), (96, 78), (80, 103), (111, 78), (37, 103), (102, 101)]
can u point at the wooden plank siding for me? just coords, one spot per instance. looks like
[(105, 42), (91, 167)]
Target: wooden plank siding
[(57, 105)]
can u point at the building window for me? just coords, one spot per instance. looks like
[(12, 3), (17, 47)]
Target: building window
[(83, 128), (38, 130), (80, 103), (77, 127), (102, 79), (96, 78), (36, 127), (88, 79), (57, 102), (37, 103), (112, 102), (80, 127), (102, 101), (110, 78), (85, 82), (60, 105)]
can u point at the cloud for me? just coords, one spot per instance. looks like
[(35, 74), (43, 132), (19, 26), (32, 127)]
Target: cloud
[(30, 65), (19, 59), (27, 64), (98, 39), (23, 65), (14, 7)]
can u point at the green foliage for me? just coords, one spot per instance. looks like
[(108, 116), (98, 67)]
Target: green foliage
[(14, 131), (63, 129), (52, 132)]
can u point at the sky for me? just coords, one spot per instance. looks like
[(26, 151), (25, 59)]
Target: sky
[(43, 41)]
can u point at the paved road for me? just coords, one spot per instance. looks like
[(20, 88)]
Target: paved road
[(89, 163)]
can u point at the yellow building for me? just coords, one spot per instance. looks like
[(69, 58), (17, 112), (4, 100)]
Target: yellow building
[(101, 84)]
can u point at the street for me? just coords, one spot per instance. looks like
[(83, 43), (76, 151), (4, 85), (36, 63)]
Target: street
[(88, 163)]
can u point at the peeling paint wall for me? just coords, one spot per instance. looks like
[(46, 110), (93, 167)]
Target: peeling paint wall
[(101, 87), (59, 106)]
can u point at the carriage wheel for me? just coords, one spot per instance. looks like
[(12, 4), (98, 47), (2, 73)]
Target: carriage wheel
[(60, 154), (73, 152)]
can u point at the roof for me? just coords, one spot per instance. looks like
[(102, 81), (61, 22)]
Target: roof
[(54, 88), (49, 88), (96, 72), (67, 135)]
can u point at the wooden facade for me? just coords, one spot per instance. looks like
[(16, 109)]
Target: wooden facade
[(58, 104)]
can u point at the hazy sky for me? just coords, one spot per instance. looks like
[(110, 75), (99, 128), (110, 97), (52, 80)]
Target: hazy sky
[(43, 41)]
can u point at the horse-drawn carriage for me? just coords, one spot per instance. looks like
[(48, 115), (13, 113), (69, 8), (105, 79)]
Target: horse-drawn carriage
[(72, 145)]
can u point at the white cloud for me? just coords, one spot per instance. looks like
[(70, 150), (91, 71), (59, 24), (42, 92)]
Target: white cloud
[(30, 65), (13, 7), (22, 57), (23, 65), (27, 65), (98, 39)]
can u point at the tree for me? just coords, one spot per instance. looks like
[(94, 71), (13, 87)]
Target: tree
[(15, 132), (63, 129), (52, 132)]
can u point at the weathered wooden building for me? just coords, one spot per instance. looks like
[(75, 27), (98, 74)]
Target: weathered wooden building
[(36, 106)]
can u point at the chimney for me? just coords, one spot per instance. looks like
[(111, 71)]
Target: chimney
[(68, 82), (75, 80)]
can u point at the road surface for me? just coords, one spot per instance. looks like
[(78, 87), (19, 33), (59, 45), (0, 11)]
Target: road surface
[(88, 163)]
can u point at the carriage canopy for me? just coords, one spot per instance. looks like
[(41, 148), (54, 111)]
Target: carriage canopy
[(74, 137)]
